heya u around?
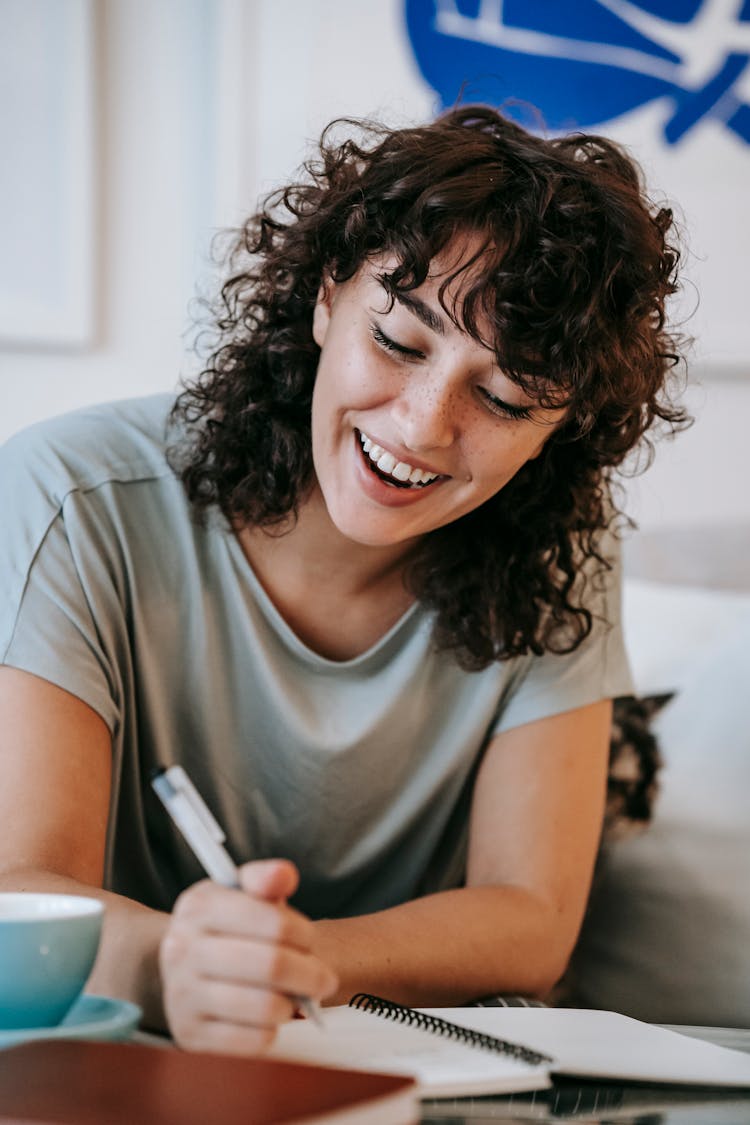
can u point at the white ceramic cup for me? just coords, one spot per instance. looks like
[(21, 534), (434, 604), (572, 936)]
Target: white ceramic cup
[(48, 944)]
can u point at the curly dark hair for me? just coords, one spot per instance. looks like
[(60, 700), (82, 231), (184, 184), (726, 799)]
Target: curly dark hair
[(572, 274)]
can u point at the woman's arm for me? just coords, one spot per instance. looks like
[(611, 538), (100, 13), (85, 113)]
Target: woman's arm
[(55, 764), (535, 825), (230, 960)]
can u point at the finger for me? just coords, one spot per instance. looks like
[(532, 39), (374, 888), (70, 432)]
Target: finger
[(224, 1038), (269, 878), (214, 909), (261, 964), (230, 1002)]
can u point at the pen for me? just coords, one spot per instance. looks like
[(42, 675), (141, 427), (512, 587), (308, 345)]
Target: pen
[(202, 832)]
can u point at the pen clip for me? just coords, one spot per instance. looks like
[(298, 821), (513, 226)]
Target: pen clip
[(183, 786)]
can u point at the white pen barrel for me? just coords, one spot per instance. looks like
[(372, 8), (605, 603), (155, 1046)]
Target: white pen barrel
[(212, 856)]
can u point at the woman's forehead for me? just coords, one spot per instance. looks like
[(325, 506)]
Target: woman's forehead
[(468, 254), (460, 270)]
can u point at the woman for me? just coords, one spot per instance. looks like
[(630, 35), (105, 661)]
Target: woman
[(364, 590)]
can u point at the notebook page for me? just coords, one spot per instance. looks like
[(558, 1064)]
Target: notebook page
[(443, 1068), (595, 1044)]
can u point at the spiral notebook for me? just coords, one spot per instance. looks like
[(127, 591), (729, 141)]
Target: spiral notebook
[(447, 1060), (459, 1052)]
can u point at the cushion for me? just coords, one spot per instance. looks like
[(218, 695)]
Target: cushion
[(667, 934), (668, 626)]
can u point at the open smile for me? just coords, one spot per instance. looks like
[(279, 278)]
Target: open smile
[(397, 474)]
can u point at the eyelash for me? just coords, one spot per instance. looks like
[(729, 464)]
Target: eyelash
[(505, 409), (496, 405), (391, 346)]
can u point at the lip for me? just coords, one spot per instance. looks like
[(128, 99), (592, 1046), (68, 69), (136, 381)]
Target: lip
[(389, 495)]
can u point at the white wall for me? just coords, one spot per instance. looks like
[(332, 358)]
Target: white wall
[(201, 105), (703, 476), (155, 156)]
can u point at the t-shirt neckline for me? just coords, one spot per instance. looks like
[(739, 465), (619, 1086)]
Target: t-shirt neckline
[(288, 635)]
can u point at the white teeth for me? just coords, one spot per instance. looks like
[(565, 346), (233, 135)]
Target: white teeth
[(387, 463)]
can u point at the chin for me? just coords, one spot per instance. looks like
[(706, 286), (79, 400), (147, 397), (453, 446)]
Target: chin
[(368, 530), (371, 537)]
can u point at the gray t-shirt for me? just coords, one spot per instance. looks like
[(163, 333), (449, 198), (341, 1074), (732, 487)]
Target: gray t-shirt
[(360, 771)]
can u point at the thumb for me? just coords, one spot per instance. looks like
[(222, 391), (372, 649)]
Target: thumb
[(270, 879)]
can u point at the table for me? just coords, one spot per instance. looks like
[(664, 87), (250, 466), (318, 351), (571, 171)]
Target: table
[(596, 1103), (599, 1103)]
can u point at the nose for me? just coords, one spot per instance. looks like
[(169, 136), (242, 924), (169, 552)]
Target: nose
[(426, 412)]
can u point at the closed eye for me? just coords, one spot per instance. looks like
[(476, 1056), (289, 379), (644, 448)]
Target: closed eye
[(502, 408), (496, 405), (390, 345)]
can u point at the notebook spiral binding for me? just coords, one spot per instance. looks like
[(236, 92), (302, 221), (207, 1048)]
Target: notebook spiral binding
[(437, 1026)]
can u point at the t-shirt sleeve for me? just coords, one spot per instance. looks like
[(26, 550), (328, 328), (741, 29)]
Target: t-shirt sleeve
[(598, 669), (50, 623)]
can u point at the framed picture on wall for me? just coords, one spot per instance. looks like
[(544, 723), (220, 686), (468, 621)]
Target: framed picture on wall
[(47, 205), (669, 79)]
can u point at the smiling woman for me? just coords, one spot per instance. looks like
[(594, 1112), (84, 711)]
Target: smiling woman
[(545, 255), (427, 398), (360, 581)]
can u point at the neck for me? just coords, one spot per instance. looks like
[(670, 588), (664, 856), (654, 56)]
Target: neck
[(313, 549), (338, 596)]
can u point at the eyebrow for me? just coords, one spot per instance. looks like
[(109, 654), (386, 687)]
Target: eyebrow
[(422, 311)]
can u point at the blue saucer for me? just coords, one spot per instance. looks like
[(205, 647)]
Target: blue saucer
[(91, 1017)]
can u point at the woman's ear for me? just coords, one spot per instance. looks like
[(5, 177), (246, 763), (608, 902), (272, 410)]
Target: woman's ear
[(322, 311)]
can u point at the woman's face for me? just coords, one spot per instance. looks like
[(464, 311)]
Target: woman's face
[(413, 423)]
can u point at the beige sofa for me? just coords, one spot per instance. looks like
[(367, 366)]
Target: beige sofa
[(667, 933)]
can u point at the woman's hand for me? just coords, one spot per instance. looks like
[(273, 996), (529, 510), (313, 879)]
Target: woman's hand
[(234, 962)]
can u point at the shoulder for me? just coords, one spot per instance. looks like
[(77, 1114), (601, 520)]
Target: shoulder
[(80, 451)]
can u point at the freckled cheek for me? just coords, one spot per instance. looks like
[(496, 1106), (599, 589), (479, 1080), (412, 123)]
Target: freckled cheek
[(338, 385), (371, 383), (494, 461)]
